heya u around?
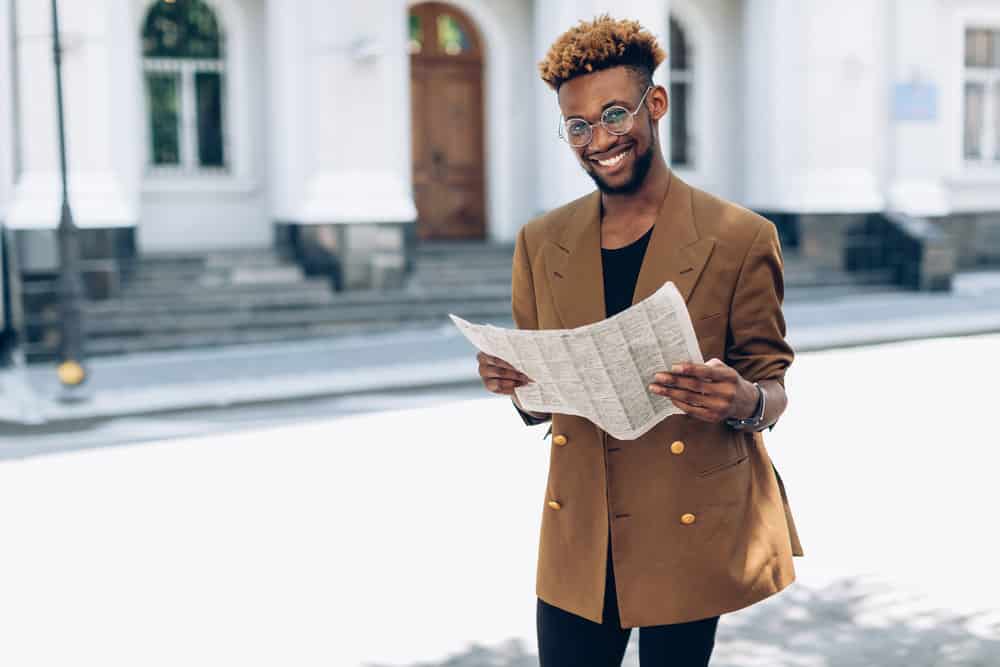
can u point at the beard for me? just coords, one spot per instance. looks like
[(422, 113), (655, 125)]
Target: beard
[(641, 168)]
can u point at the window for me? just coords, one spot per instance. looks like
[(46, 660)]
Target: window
[(681, 80), (981, 97), (184, 72), (438, 31)]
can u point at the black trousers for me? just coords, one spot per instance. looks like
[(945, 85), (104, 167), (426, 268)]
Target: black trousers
[(568, 640)]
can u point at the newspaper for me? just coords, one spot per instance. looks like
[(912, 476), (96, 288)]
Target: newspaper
[(599, 371)]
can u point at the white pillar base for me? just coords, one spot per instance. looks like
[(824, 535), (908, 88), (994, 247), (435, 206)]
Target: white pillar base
[(97, 200), (359, 196), (919, 197)]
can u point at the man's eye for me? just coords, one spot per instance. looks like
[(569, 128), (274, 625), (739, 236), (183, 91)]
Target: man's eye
[(577, 129), (615, 115)]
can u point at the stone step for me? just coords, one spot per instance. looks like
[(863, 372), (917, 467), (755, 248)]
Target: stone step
[(499, 312), (140, 324), (457, 249), (258, 302), (159, 342), (252, 257)]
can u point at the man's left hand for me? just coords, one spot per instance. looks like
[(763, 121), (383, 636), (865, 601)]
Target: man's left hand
[(711, 391)]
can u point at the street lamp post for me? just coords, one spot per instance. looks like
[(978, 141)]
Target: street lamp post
[(71, 370)]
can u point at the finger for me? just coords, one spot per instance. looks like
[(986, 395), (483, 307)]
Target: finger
[(696, 411), (500, 363), (682, 381), (724, 390), (500, 386), (713, 373), (497, 361), (500, 372), (706, 401)]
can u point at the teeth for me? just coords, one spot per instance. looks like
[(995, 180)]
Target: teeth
[(615, 160)]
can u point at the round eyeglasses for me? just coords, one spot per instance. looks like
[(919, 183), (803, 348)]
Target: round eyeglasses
[(617, 120)]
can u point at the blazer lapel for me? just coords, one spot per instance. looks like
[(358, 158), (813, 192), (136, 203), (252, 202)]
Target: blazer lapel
[(675, 251), (573, 260), (573, 264)]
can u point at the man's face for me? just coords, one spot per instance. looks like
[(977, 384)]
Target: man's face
[(587, 97)]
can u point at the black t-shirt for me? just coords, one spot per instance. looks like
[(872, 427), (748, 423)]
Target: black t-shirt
[(621, 271)]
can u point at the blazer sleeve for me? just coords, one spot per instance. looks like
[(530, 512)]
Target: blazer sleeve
[(522, 287), (522, 301), (756, 345)]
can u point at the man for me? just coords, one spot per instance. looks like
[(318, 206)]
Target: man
[(689, 521)]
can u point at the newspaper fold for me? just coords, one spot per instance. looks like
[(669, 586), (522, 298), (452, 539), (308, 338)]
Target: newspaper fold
[(599, 371)]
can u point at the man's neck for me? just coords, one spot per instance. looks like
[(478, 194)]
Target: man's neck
[(642, 203)]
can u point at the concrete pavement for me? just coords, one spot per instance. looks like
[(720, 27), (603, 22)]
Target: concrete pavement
[(217, 377), (409, 537)]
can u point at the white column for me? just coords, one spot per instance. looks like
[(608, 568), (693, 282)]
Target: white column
[(814, 105), (341, 109), (289, 160), (917, 146), (7, 146), (103, 190), (561, 179)]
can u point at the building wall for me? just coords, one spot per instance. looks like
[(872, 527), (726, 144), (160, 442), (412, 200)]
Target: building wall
[(813, 121), (793, 111)]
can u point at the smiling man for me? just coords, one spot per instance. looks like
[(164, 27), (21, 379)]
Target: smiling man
[(669, 531)]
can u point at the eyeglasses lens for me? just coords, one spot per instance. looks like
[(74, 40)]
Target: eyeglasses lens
[(578, 132), (617, 120)]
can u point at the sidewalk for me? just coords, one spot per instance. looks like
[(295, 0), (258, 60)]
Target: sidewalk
[(409, 537), (433, 357)]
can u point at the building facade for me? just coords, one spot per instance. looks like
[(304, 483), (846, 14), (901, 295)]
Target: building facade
[(206, 124)]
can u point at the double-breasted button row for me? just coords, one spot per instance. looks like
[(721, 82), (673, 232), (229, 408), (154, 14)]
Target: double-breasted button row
[(687, 518), (677, 447)]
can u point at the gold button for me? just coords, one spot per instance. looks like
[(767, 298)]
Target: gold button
[(687, 519), (554, 504), (560, 440), (677, 447)]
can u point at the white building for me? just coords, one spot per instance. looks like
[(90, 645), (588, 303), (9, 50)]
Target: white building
[(198, 124)]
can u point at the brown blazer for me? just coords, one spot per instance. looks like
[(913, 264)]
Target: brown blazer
[(726, 262)]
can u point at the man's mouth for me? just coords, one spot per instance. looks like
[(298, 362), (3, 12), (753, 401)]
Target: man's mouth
[(615, 161)]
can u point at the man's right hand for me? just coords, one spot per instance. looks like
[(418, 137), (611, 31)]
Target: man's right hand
[(498, 376)]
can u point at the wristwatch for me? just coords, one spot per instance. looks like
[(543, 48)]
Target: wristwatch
[(756, 419)]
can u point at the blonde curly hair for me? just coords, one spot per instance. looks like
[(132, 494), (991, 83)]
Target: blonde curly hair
[(600, 44)]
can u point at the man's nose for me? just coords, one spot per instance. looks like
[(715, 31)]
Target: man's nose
[(602, 140)]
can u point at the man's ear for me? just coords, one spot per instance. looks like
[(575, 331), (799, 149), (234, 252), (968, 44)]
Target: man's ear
[(666, 102)]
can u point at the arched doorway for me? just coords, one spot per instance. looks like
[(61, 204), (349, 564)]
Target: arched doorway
[(446, 83)]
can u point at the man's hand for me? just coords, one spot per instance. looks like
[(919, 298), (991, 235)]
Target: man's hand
[(498, 376), (711, 391)]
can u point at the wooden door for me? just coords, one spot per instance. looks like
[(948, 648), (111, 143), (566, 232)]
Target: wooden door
[(447, 109)]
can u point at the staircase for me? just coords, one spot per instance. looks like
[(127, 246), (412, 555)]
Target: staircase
[(237, 297)]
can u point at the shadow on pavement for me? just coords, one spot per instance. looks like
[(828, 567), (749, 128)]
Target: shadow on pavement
[(850, 623)]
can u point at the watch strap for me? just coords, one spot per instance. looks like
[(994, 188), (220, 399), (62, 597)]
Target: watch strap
[(757, 418)]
